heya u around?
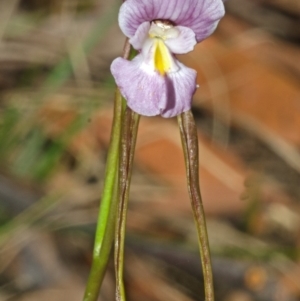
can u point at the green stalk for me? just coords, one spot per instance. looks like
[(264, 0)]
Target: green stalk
[(108, 208), (189, 138), (129, 135)]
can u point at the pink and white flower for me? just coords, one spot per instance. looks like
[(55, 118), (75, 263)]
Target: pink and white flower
[(155, 82)]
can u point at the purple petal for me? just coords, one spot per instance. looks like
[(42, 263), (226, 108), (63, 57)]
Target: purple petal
[(148, 93), (140, 36), (180, 88), (202, 16), (184, 43), (142, 90)]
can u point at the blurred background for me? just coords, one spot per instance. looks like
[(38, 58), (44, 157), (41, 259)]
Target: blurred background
[(56, 96)]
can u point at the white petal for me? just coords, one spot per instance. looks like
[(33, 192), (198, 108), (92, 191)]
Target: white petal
[(184, 42), (141, 35)]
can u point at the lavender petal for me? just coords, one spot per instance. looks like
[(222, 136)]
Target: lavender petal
[(202, 16), (184, 43), (140, 36), (149, 93)]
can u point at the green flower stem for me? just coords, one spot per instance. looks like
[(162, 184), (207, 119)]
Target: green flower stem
[(128, 140), (189, 138), (107, 212), (108, 208)]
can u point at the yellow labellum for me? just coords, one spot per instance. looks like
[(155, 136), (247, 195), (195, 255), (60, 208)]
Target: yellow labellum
[(162, 59)]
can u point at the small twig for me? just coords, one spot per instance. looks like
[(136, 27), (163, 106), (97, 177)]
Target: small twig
[(189, 138)]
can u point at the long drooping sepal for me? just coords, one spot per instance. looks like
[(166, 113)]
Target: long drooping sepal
[(189, 138), (128, 140), (108, 208)]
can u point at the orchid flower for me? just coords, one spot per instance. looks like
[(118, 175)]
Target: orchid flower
[(155, 82)]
